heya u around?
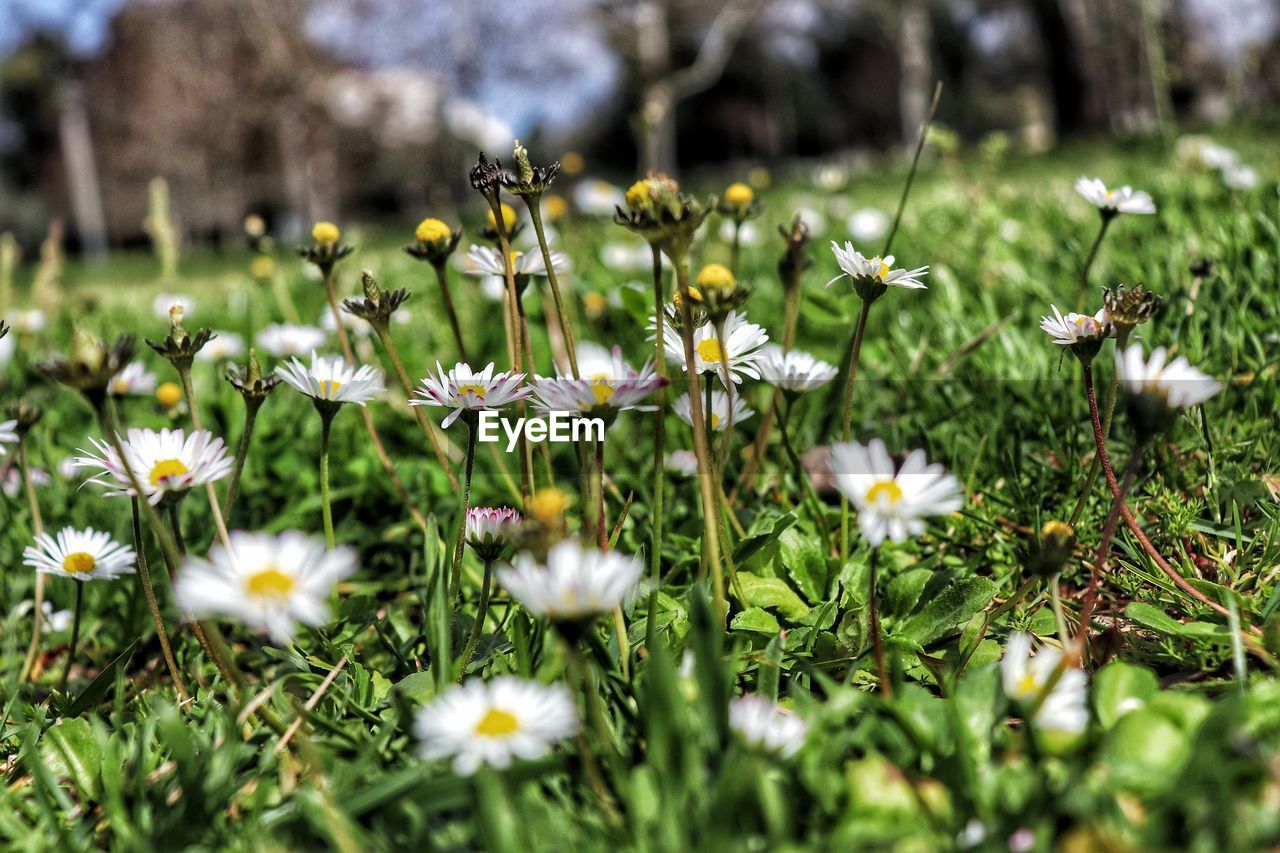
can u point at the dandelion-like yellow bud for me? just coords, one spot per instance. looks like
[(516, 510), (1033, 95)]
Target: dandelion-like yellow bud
[(694, 294), (716, 275), (432, 231), (168, 394), (548, 505), (739, 194), (325, 233), (262, 267), (638, 195), (508, 218), (554, 206)]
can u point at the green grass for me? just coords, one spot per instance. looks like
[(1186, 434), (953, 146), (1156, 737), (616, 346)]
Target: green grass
[(1182, 746)]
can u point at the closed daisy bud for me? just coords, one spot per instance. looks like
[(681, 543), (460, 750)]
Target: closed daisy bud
[(91, 366), (326, 250), (477, 723), (267, 582), (432, 231), (715, 276), (325, 233), (1052, 550), (81, 555), (489, 530), (739, 194), (508, 217)]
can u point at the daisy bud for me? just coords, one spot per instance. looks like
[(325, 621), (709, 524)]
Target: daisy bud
[(485, 176), (739, 195), (262, 268), (434, 241), (490, 530), (168, 394), (326, 249), (24, 415), (92, 364), (1052, 550), (252, 385), (180, 347), (378, 305), (721, 292), (739, 203), (325, 233)]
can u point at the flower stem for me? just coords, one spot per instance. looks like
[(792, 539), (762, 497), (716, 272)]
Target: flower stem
[(184, 374), (75, 634), (517, 343), (809, 496), (37, 524), (1122, 337), (735, 246), (702, 447), (477, 628), (148, 591), (455, 577), (397, 364), (659, 443), (442, 277), (877, 647), (533, 202), (326, 422), (846, 417), (602, 527), (1082, 290), (251, 407)]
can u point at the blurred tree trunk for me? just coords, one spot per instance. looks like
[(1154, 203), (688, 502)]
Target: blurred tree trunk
[(82, 173), (914, 37)]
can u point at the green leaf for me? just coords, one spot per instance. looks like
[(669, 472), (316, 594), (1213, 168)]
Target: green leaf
[(91, 694), (902, 593), (771, 594), (802, 559), (417, 687), (757, 621), (1120, 688), (1152, 617), (69, 749), (942, 613), (1145, 751), (750, 546)]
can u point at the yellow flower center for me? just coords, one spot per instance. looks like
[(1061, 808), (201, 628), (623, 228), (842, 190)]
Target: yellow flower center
[(638, 194), (329, 388), (739, 194), (715, 421), (325, 233), (508, 218), (478, 390), (79, 562), (498, 723), (603, 391), (168, 394), (715, 275), (884, 268), (709, 350), (1027, 686), (166, 468), (432, 231), (548, 504), (269, 583), (887, 489), (694, 295), (120, 385)]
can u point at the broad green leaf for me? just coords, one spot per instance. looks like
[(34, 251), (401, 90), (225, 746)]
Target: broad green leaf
[(771, 594), (69, 749), (1120, 688), (942, 613), (757, 621), (803, 561), (902, 593), (1152, 617)]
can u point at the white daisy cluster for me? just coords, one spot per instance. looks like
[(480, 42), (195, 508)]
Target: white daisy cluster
[(81, 555), (464, 390), (1112, 201), (166, 462), (891, 504), (332, 380)]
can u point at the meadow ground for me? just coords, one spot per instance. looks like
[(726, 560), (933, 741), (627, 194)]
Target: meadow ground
[(1183, 703)]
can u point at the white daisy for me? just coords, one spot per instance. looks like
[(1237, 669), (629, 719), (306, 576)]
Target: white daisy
[(82, 555), (490, 529), (683, 462), (742, 350), (483, 260), (164, 462), (719, 418), (892, 505), (462, 389), (1025, 678), (766, 726), (1074, 327), (8, 434), (165, 303), (267, 582), (332, 380), (1239, 177), (1123, 200), (28, 322), (576, 584), (12, 483), (222, 346), (627, 257), (477, 723), (867, 224), (1177, 384), (605, 387), (134, 379), (874, 270), (795, 370), (286, 339)]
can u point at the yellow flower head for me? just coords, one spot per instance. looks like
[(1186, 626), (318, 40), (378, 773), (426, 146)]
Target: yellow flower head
[(594, 303), (432, 231), (716, 275), (572, 163), (548, 505), (262, 267), (168, 394), (638, 194), (508, 218), (694, 294), (739, 195), (325, 233), (554, 206)]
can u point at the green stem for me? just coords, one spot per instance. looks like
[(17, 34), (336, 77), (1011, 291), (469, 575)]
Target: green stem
[(148, 591), (810, 497), (37, 524), (442, 277), (326, 421), (846, 417), (75, 634), (251, 407), (1059, 615), (482, 611), (533, 202), (1082, 290), (659, 443), (455, 578), (602, 528), (735, 246), (877, 646), (397, 364)]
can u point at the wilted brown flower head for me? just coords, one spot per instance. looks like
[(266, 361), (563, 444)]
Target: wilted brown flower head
[(1129, 306), (92, 364), (529, 180)]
